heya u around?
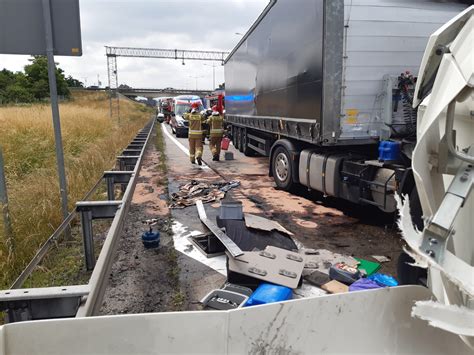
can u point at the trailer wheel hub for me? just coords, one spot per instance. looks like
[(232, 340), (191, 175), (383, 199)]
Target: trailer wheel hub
[(281, 166)]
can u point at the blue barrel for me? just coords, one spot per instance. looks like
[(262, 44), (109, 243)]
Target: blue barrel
[(151, 239), (389, 151)]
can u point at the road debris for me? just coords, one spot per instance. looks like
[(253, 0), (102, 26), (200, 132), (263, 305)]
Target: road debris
[(275, 265), (189, 193), (269, 293), (323, 259), (344, 273), (223, 300), (257, 222), (229, 244), (367, 267), (363, 284), (382, 258), (335, 287)]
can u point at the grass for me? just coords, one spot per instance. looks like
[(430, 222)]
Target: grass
[(91, 141)]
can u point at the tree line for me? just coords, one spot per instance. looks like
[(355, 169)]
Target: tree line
[(32, 84)]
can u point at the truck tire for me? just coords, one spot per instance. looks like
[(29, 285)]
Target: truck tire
[(282, 168)]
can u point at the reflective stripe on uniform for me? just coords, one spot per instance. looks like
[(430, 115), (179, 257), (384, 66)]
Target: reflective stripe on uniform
[(191, 131), (217, 130)]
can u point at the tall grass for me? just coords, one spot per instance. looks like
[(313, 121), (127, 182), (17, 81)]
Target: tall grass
[(91, 141)]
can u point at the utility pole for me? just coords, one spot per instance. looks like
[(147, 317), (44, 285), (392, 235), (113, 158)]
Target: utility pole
[(53, 92)]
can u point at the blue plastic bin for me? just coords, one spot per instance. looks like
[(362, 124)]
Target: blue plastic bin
[(389, 151), (269, 293)]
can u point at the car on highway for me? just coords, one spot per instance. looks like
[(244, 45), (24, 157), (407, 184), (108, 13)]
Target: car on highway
[(182, 104)]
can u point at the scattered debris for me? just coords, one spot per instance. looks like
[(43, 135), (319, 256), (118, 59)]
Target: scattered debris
[(151, 239), (364, 284), (189, 193), (344, 273), (257, 222), (335, 287), (367, 267), (231, 210), (269, 293), (223, 300), (323, 259), (275, 265), (382, 258), (317, 278), (383, 280), (208, 244), (249, 239), (238, 289), (229, 244)]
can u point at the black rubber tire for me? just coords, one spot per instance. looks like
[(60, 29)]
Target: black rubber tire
[(237, 138), (280, 157)]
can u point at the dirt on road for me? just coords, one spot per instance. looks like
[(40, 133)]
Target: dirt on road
[(168, 278)]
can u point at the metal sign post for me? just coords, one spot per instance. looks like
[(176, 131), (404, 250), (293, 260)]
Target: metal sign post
[(4, 205), (53, 92), (46, 27)]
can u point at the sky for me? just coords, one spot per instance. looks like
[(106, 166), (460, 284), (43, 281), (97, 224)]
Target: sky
[(182, 24)]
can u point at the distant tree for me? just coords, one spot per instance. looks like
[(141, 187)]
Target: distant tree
[(74, 83), (124, 86), (17, 93), (37, 75)]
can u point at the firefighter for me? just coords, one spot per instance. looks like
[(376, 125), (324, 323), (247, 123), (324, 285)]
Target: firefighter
[(216, 124), (194, 134)]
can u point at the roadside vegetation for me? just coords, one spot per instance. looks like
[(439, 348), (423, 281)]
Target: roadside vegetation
[(32, 85), (91, 141)]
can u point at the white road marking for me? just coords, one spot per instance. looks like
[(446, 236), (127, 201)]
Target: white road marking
[(180, 145)]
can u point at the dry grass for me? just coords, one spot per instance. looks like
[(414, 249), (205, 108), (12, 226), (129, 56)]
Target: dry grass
[(91, 142)]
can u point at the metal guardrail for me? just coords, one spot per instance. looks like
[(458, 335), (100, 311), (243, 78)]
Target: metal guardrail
[(52, 302)]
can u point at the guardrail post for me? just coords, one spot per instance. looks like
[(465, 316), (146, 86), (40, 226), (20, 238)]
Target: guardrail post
[(110, 188), (88, 237), (4, 205)]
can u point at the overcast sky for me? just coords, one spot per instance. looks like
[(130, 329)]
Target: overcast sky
[(182, 24)]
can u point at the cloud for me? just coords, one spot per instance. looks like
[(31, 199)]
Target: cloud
[(182, 24)]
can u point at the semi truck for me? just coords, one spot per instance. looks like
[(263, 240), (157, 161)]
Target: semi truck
[(325, 90)]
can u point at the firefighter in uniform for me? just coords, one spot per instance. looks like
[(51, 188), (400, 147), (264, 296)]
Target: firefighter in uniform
[(216, 124), (194, 135)]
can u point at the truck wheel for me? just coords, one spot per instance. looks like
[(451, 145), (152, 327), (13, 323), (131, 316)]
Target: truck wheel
[(282, 168), (237, 138)]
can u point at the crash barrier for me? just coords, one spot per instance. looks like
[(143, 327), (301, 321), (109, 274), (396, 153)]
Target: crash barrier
[(375, 321), (82, 300)]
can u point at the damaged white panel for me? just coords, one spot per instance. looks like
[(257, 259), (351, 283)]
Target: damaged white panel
[(455, 269), (265, 224), (453, 319)]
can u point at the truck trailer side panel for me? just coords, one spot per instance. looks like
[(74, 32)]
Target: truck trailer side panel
[(313, 70), (382, 37), (277, 69)]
